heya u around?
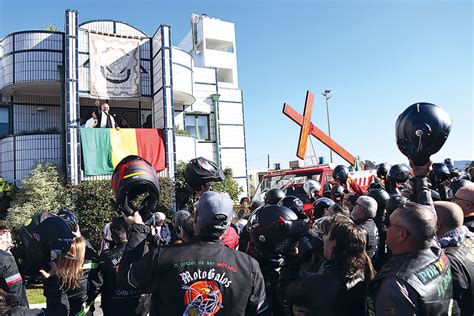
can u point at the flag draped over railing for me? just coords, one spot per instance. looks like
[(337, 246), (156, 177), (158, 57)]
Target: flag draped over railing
[(103, 148)]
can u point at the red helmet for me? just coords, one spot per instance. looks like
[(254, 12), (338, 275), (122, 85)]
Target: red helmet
[(132, 177)]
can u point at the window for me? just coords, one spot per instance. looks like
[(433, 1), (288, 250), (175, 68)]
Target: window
[(4, 121), (198, 126)]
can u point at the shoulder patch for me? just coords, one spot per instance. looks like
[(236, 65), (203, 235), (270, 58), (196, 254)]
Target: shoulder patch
[(433, 270)]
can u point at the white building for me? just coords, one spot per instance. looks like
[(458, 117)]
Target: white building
[(46, 80)]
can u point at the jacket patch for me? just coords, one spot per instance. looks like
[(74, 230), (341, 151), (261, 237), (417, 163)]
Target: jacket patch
[(13, 279), (433, 270), (202, 298)]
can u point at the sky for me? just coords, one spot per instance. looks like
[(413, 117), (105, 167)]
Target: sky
[(377, 57)]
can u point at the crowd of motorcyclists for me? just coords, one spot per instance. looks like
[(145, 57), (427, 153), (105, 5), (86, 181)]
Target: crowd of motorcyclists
[(404, 246)]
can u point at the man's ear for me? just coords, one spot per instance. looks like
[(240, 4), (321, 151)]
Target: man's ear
[(403, 234)]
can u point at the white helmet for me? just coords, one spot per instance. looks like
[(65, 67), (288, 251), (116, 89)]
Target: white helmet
[(311, 187)]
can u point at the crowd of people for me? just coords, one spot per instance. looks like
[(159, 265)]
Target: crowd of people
[(401, 246)]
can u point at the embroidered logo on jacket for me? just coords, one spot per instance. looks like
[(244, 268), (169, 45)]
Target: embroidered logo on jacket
[(203, 298)]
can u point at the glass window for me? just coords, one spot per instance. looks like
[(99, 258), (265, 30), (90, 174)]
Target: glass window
[(198, 126), (4, 121)]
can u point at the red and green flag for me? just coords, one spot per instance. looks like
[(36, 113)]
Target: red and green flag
[(103, 148)]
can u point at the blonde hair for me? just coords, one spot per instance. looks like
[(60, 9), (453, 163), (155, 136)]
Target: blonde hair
[(70, 265)]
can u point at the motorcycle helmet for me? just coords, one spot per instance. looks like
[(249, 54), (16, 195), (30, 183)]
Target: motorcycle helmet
[(399, 173), (200, 171), (44, 237), (276, 229), (382, 170), (132, 177), (311, 187), (69, 218), (293, 203), (320, 205), (273, 196), (337, 191), (439, 173), (381, 197), (421, 131), (395, 201), (340, 173)]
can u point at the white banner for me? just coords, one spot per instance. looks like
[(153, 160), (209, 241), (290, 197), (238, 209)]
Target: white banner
[(114, 67)]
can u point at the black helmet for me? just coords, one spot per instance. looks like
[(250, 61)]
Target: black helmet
[(381, 196), (340, 173), (132, 177), (457, 184), (70, 219), (439, 173), (382, 170), (337, 191), (399, 173), (293, 203), (448, 161), (55, 236), (275, 229), (320, 205), (421, 131), (200, 171), (44, 238), (273, 196), (395, 201)]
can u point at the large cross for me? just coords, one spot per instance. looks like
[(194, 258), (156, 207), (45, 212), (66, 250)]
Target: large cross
[(307, 127)]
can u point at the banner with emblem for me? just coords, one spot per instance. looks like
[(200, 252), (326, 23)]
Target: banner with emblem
[(114, 66)]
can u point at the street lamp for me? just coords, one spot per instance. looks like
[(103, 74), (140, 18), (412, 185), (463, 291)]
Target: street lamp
[(327, 95)]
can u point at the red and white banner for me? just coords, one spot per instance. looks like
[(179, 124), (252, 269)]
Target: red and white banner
[(114, 66)]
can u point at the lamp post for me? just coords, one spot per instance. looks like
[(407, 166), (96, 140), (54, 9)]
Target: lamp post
[(327, 95), (215, 101)]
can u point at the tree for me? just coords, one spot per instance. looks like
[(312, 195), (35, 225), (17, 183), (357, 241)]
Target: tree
[(229, 185), (51, 27), (44, 190)]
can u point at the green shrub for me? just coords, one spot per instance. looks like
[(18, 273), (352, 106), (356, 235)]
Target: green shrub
[(94, 208), (166, 196), (184, 194), (43, 190), (229, 185)]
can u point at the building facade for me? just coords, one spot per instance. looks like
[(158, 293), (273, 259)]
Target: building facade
[(189, 91)]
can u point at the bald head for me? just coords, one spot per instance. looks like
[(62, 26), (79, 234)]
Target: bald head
[(450, 216), (465, 199)]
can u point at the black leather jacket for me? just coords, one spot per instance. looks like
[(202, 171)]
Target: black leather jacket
[(414, 284), (462, 268), (199, 277), (372, 234), (10, 278)]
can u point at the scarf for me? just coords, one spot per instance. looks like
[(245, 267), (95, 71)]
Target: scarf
[(454, 237)]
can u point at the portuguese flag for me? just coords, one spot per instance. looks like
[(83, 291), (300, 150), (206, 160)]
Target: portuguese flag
[(103, 148)]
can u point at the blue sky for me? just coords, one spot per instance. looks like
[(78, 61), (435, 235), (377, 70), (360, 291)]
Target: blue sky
[(377, 57)]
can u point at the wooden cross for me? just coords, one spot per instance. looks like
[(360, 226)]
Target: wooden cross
[(307, 127)]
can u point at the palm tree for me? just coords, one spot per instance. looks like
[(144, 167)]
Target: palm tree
[(51, 27)]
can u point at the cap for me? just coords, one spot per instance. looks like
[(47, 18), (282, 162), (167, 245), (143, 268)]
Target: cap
[(210, 205)]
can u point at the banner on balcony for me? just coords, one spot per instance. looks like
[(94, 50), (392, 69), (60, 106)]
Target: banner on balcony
[(114, 66), (103, 148)]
